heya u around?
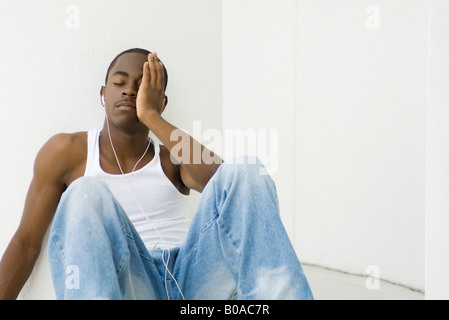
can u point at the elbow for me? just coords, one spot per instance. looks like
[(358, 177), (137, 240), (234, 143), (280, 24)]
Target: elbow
[(29, 248)]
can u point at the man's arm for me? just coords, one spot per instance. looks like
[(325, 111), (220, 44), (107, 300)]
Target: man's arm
[(195, 169), (195, 172), (42, 199)]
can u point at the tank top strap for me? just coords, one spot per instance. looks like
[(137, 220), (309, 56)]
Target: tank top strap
[(157, 149), (93, 153)]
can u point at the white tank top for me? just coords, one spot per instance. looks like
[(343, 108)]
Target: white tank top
[(165, 209)]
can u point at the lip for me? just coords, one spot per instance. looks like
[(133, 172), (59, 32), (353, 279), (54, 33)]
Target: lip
[(126, 105)]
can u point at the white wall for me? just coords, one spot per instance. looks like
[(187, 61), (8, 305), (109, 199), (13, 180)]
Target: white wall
[(349, 103), (52, 72), (361, 118), (259, 79), (437, 218)]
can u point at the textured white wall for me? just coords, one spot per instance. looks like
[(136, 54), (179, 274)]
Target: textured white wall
[(53, 65)]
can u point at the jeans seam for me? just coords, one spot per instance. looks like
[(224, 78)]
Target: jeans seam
[(58, 248), (227, 236), (127, 234), (125, 259), (217, 216), (214, 219)]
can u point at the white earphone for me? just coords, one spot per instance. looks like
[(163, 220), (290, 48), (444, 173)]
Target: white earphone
[(103, 101)]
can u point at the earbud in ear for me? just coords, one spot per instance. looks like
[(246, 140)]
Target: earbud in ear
[(103, 101)]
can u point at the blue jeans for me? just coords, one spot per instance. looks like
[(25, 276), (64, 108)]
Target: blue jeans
[(236, 248)]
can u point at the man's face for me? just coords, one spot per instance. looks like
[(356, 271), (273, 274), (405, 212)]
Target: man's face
[(121, 89)]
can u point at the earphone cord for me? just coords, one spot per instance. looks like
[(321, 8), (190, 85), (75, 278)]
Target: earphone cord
[(144, 213)]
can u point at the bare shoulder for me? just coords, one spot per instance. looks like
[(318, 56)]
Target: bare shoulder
[(65, 144), (63, 157), (66, 140)]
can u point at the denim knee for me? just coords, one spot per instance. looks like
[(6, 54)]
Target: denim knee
[(247, 180), (86, 193), (86, 186), (244, 170), (246, 166)]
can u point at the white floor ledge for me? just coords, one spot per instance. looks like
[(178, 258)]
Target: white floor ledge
[(334, 285)]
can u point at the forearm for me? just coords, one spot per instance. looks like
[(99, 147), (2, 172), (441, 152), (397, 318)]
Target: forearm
[(15, 268), (198, 161)]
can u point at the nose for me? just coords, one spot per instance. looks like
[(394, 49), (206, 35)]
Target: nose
[(130, 91)]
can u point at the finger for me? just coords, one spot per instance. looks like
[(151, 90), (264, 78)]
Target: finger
[(146, 71), (162, 76), (145, 75), (160, 72), (153, 70)]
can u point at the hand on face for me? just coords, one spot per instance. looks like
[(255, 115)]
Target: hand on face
[(151, 94)]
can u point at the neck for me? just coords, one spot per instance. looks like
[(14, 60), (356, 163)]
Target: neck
[(127, 145)]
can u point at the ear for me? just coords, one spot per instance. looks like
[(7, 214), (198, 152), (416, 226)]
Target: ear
[(165, 104), (102, 94)]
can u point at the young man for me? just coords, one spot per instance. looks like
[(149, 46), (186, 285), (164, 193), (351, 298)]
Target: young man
[(116, 204)]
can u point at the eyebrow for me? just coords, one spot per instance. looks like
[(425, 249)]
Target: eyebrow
[(121, 73), (124, 74)]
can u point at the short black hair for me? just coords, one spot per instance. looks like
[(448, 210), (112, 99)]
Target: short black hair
[(135, 50)]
